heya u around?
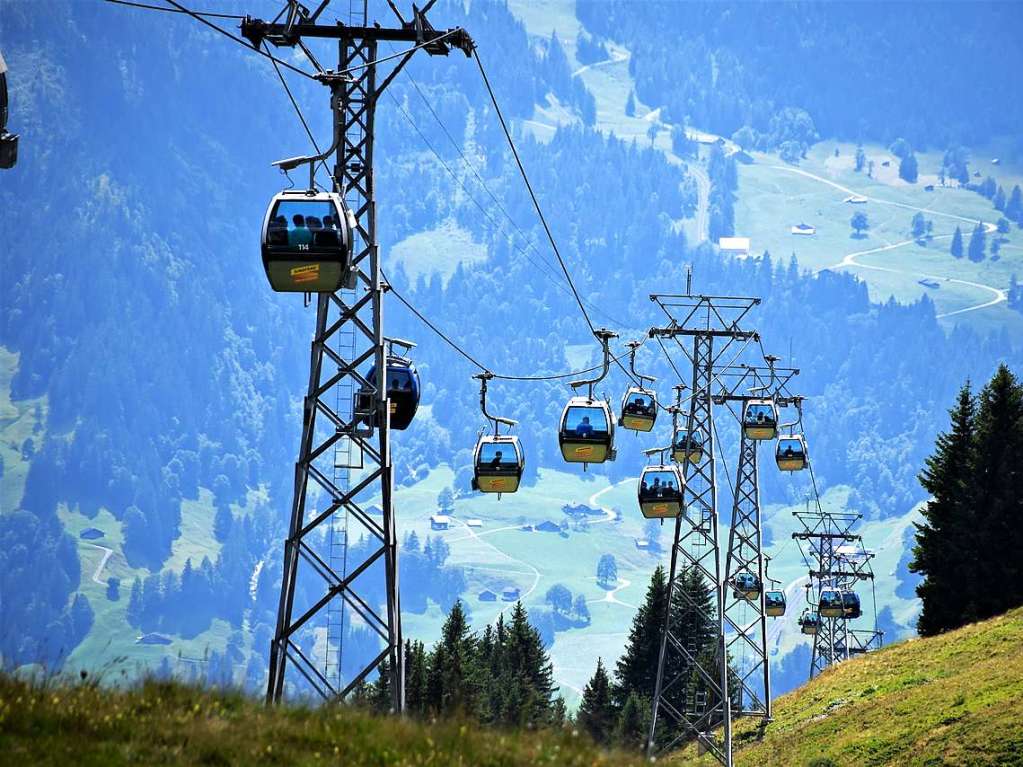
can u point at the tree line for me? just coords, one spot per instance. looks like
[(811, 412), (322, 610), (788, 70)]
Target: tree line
[(968, 545)]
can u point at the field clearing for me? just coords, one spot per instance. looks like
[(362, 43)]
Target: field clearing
[(22, 429), (774, 196), (501, 554)]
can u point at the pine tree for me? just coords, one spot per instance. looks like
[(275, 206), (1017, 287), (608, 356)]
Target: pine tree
[(908, 169), (380, 691), (526, 674), (451, 680), (222, 521), (1014, 207), (978, 244), (999, 494), (633, 724), (944, 553), (1000, 199), (636, 670), (919, 226), (861, 158), (630, 105), (957, 244), (415, 678), (597, 712)]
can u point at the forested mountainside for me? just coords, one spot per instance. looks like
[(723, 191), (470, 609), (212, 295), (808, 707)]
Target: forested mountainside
[(803, 70), (163, 367)]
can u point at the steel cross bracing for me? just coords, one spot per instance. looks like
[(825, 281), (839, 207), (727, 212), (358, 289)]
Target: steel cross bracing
[(746, 619), (340, 562), (696, 711), (837, 560)]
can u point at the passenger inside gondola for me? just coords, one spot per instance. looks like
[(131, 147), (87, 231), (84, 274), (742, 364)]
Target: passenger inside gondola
[(496, 457), (638, 405), (586, 423), (304, 222), (658, 484), (759, 414)]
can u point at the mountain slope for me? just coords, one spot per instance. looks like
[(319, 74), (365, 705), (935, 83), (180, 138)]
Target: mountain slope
[(955, 699), (168, 723)]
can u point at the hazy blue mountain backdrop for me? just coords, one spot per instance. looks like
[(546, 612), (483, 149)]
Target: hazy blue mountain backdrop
[(151, 383)]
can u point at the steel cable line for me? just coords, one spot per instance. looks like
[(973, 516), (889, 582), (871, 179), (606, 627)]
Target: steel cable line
[(529, 188), (403, 300), (443, 336), (298, 111), (198, 17), (543, 263), (146, 6), (497, 225)]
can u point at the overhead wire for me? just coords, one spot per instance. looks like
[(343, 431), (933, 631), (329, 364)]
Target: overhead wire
[(240, 41), (408, 304), (148, 7), (529, 188), (482, 182)]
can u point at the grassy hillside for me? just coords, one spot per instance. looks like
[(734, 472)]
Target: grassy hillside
[(164, 723), (956, 699)]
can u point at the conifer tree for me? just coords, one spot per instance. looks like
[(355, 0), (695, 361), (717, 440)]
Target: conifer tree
[(636, 670), (1014, 207), (526, 675), (944, 553), (596, 712), (978, 244), (416, 673), (998, 494), (956, 248), (633, 723), (451, 679)]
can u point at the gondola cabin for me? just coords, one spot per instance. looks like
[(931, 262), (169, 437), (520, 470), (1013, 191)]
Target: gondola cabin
[(587, 431), (639, 409), (831, 604), (746, 586), (498, 464), (851, 609), (774, 603), (660, 492), (790, 453), (809, 623), (8, 140), (760, 419), (687, 445), (402, 389), (307, 242)]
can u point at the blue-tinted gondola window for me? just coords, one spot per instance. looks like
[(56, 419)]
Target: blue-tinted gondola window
[(759, 414), (498, 455), (300, 224), (659, 485), (790, 448), (684, 441), (639, 403), (399, 380), (582, 422)]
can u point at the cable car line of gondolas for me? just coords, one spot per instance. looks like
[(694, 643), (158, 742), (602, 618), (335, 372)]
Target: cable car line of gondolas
[(307, 247)]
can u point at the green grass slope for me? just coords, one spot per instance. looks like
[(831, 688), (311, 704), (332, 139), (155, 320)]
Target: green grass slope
[(956, 699), (167, 723)]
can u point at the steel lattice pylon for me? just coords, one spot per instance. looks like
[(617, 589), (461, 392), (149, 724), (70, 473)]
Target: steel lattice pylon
[(337, 556), (831, 567), (695, 544), (745, 619)]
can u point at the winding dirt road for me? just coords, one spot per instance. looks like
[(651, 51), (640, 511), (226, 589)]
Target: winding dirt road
[(849, 261)]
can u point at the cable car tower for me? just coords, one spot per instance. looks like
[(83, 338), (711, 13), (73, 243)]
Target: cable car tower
[(745, 574), (837, 563), (713, 324), (344, 460)]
